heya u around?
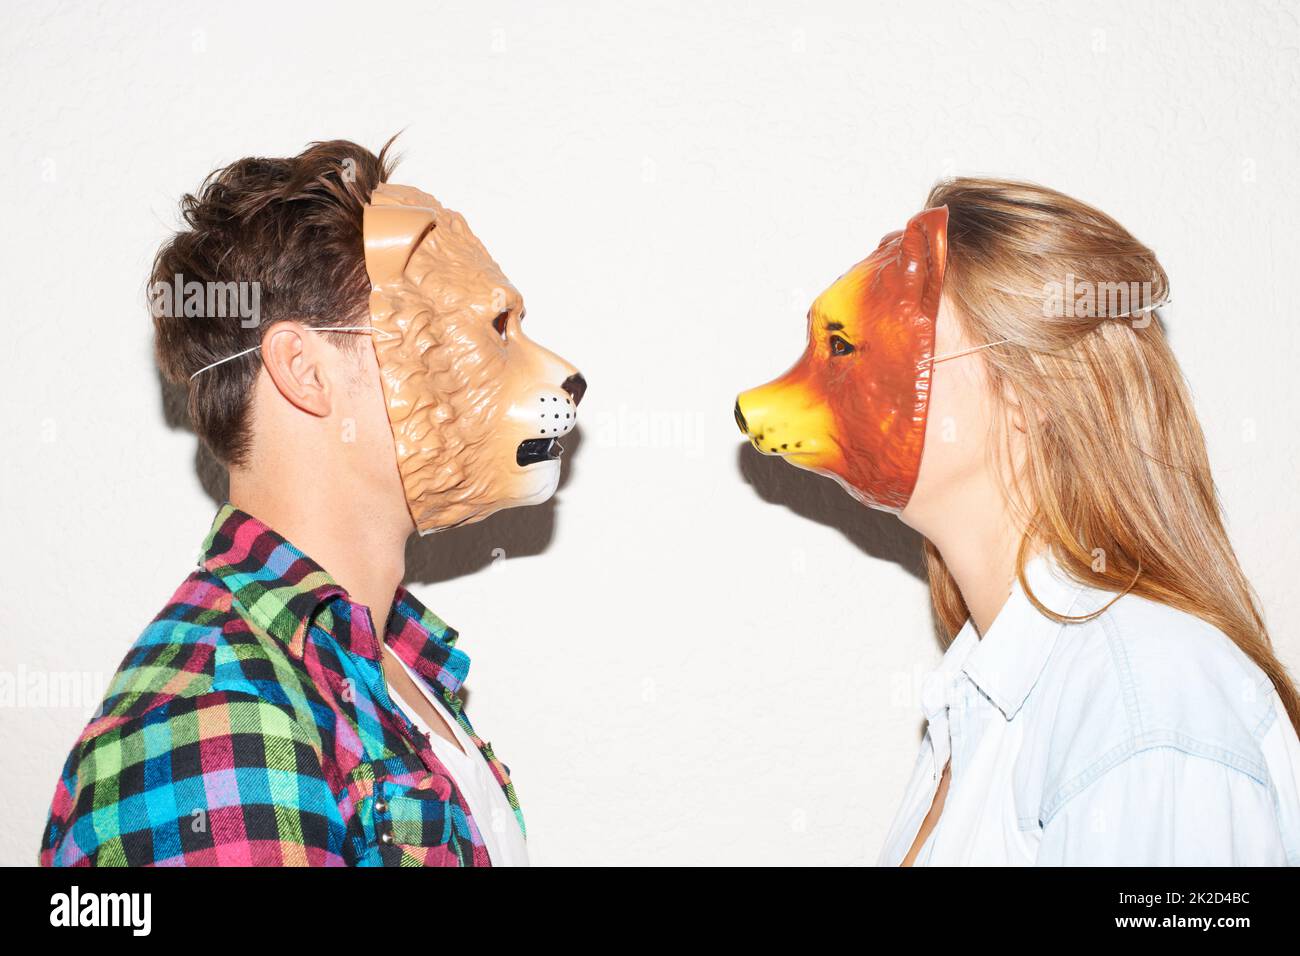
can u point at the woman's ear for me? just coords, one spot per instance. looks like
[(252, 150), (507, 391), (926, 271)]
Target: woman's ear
[(296, 362), (1015, 409)]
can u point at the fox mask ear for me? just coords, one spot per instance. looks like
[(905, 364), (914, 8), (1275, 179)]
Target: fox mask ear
[(392, 233), (923, 254)]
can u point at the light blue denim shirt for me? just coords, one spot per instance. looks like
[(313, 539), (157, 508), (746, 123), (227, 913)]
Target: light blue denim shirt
[(1141, 737)]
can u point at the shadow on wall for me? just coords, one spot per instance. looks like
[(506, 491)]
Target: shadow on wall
[(876, 533), (434, 558), (212, 473), (513, 533)]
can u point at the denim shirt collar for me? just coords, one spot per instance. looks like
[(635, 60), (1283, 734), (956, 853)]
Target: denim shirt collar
[(1007, 661)]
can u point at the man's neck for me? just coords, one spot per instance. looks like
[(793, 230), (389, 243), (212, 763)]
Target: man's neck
[(363, 550)]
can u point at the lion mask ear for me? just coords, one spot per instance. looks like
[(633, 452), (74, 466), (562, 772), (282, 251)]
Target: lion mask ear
[(392, 233)]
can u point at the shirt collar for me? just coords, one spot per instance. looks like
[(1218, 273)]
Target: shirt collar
[(425, 643), (275, 586), (279, 589), (1007, 661)]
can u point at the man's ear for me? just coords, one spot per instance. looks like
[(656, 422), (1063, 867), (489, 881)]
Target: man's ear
[(296, 361)]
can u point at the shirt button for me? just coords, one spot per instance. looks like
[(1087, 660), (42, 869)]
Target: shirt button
[(386, 837), (381, 806)]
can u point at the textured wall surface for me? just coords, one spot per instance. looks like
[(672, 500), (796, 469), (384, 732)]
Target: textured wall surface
[(735, 678)]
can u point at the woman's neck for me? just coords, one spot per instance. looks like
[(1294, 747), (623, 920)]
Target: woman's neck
[(977, 535)]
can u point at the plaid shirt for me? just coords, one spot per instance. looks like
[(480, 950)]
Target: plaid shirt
[(251, 725)]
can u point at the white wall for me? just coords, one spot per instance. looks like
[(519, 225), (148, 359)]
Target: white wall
[(733, 675)]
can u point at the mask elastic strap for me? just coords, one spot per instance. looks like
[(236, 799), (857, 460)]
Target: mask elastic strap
[(315, 328), (988, 345), (959, 354)]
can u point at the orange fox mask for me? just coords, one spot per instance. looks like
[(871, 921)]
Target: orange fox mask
[(854, 406)]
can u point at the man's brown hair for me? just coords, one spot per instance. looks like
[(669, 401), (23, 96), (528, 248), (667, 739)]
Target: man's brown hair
[(291, 231)]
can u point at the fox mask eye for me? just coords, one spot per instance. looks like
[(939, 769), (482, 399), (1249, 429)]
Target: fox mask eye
[(840, 345)]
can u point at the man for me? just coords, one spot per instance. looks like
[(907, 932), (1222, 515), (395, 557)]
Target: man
[(355, 358)]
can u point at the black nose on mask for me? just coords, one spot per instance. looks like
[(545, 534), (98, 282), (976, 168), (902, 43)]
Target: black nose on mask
[(576, 386)]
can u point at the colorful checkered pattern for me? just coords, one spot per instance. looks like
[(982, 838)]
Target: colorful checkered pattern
[(251, 725)]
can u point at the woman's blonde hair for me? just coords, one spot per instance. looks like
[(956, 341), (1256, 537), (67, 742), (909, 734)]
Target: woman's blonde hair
[(1116, 479)]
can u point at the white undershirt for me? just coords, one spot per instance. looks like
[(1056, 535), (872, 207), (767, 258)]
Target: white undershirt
[(487, 801)]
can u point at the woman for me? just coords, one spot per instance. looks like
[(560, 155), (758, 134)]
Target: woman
[(1111, 695), (994, 374)]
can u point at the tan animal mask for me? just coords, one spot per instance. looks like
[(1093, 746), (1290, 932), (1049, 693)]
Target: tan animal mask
[(476, 407)]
